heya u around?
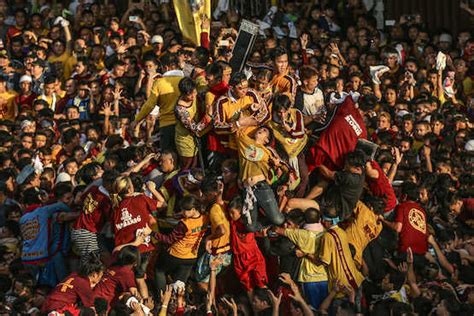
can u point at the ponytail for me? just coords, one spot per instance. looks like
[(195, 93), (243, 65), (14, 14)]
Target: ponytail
[(121, 187)]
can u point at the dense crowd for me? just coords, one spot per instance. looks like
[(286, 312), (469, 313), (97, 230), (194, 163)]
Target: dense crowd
[(141, 175)]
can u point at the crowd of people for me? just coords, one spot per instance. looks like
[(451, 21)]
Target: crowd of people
[(141, 175)]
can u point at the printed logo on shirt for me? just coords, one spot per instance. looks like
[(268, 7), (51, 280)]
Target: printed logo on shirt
[(353, 123), (30, 229), (66, 285), (417, 220), (253, 153), (127, 219), (90, 204)]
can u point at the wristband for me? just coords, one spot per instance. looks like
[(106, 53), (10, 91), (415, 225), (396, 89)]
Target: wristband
[(164, 306), (237, 124)]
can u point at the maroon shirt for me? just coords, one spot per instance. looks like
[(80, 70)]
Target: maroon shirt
[(382, 188), (414, 232), (71, 291), (115, 281), (339, 138), (96, 210), (132, 214)]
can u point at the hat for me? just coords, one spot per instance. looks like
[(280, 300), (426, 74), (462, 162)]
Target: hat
[(26, 78), (27, 171), (469, 145), (445, 37), (63, 177), (25, 123), (402, 113), (3, 53), (157, 39), (44, 7)]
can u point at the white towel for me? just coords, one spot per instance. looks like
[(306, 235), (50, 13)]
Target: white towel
[(376, 72), (440, 61)]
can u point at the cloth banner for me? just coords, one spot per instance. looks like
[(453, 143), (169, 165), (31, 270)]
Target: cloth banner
[(189, 14)]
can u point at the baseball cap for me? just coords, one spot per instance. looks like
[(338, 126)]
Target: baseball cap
[(469, 145), (25, 123), (26, 78), (445, 37), (157, 39), (3, 53)]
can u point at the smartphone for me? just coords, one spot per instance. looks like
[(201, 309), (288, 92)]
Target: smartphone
[(390, 22), (224, 43), (216, 24), (133, 18)]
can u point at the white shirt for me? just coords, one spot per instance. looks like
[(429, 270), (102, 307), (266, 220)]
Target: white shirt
[(313, 103)]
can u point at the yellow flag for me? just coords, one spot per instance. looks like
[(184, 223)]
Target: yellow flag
[(189, 13)]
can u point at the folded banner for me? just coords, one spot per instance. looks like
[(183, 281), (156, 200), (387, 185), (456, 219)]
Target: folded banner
[(189, 14)]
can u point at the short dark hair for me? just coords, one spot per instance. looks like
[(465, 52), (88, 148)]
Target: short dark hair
[(169, 59), (186, 86), (62, 189), (281, 101), (128, 255), (69, 135), (410, 190), (189, 202), (377, 204), (237, 78), (357, 158), (109, 176), (306, 72), (312, 216), (209, 185), (88, 172), (202, 55), (91, 264), (262, 295), (279, 51), (236, 203)]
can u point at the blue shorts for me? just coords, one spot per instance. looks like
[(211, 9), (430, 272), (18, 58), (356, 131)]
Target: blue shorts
[(315, 293)]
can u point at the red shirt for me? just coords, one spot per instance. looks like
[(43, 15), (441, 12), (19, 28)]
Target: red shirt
[(25, 101), (132, 214), (116, 280), (96, 210), (339, 138), (382, 188), (72, 290), (414, 232)]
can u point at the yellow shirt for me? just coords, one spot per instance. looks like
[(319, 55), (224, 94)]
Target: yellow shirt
[(69, 66), (165, 94), (61, 60), (295, 142), (228, 110), (284, 84), (7, 105), (188, 246), (170, 198), (308, 242), (254, 158), (363, 230), (217, 217), (336, 255)]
